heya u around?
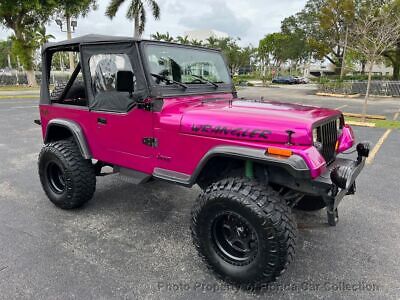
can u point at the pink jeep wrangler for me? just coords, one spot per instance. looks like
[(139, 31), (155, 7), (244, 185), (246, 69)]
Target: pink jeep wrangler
[(154, 110)]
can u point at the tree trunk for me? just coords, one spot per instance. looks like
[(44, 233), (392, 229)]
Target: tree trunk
[(69, 36), (30, 74), (363, 63), (396, 63), (396, 70), (339, 65), (136, 33), (365, 106), (342, 70), (9, 61)]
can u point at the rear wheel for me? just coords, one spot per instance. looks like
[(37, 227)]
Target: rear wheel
[(68, 179), (244, 231)]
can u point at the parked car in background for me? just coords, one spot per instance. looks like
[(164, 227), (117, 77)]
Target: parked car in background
[(301, 80), (284, 80)]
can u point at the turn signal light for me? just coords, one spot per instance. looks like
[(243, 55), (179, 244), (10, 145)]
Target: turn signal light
[(280, 152)]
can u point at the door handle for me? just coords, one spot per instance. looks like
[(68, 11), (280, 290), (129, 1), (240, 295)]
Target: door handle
[(102, 120)]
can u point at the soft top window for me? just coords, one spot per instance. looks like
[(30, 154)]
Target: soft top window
[(104, 68), (65, 82), (103, 72), (185, 65)]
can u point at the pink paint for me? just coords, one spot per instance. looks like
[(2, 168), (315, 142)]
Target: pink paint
[(182, 138), (346, 139)]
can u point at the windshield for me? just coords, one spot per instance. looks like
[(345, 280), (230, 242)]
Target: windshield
[(185, 65)]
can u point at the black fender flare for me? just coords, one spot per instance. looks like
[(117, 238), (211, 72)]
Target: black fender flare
[(76, 131), (294, 165)]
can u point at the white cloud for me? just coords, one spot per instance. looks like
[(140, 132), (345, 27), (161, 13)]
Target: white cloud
[(249, 20), (217, 16)]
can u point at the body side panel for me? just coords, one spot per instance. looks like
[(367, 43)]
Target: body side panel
[(118, 142), (182, 151)]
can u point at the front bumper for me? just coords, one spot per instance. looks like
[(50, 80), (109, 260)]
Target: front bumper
[(339, 180), (331, 189)]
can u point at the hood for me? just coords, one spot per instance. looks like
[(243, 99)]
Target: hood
[(255, 120)]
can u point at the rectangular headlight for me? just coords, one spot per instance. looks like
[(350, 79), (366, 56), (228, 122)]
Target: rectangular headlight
[(315, 135)]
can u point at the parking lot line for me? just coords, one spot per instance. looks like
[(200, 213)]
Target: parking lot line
[(379, 144), (17, 107), (341, 107)]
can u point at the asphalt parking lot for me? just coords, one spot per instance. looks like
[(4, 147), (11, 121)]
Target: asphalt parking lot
[(133, 242)]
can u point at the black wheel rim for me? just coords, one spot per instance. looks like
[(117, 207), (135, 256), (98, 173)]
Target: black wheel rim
[(56, 177), (235, 238)]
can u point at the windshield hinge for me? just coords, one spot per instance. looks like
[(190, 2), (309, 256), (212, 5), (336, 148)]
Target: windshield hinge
[(150, 141)]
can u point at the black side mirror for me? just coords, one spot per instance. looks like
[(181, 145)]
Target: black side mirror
[(125, 81)]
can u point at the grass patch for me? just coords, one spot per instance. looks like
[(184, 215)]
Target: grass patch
[(387, 124), (10, 88), (19, 97)]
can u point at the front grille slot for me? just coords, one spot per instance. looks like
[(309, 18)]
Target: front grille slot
[(327, 135)]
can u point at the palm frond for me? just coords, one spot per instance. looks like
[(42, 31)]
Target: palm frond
[(155, 8), (133, 9), (142, 18), (113, 7)]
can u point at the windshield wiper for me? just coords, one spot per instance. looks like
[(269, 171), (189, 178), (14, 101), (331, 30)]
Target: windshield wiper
[(166, 79), (205, 80)]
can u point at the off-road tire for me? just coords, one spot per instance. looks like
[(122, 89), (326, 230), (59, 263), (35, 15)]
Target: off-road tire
[(265, 211), (77, 182), (310, 203)]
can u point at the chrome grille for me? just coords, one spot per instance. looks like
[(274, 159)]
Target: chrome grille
[(327, 135)]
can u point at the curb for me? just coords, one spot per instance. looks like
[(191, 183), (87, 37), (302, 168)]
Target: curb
[(361, 124), (338, 95)]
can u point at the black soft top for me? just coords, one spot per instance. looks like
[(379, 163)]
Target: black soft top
[(99, 38), (88, 39), (93, 39)]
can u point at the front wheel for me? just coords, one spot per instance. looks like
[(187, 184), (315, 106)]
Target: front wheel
[(244, 231), (68, 179)]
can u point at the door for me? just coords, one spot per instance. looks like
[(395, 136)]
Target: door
[(120, 126)]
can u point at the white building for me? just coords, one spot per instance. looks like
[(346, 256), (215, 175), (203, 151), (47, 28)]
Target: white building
[(319, 68), (328, 68), (204, 34), (377, 69)]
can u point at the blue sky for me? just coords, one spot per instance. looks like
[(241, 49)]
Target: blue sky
[(249, 20)]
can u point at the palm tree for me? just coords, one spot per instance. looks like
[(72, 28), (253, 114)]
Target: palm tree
[(157, 36), (212, 42), (41, 37), (162, 37), (184, 40), (195, 42), (167, 37), (136, 11)]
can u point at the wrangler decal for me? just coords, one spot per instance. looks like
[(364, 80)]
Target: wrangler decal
[(239, 132)]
